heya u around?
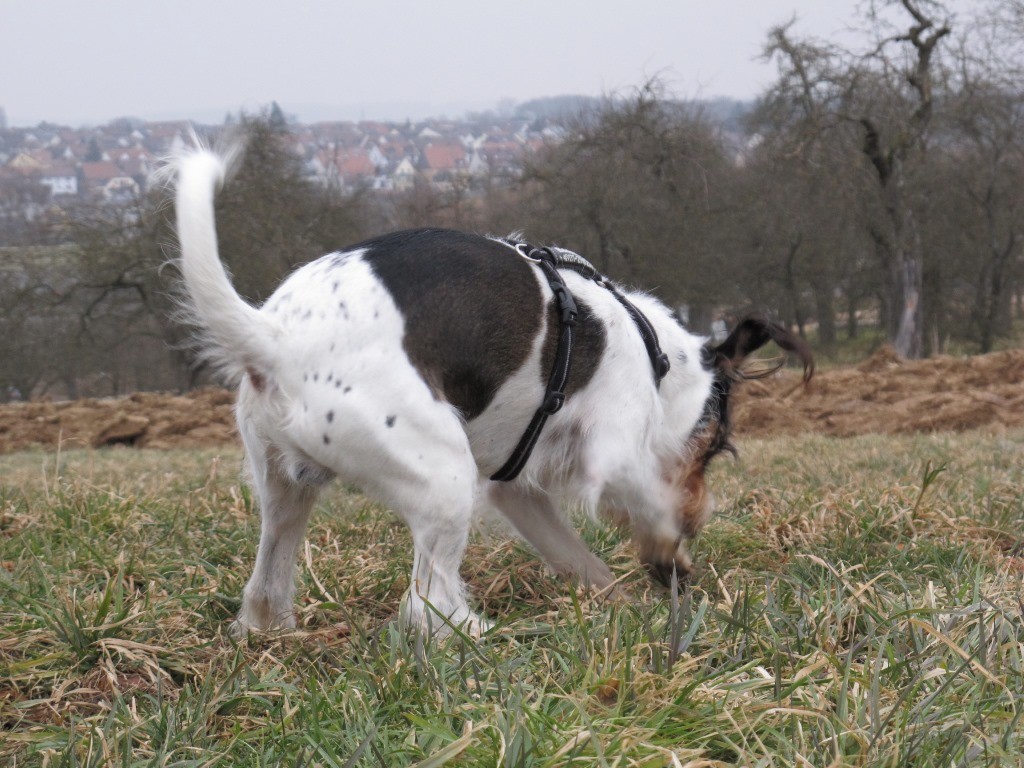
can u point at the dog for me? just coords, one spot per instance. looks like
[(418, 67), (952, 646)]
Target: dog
[(411, 365)]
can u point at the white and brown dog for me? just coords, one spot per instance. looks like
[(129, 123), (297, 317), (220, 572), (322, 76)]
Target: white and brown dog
[(411, 364)]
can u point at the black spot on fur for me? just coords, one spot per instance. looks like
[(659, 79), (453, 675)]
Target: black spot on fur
[(330, 416), (346, 390), (327, 440), (316, 377), (337, 384), (334, 287), (390, 420), (471, 307)]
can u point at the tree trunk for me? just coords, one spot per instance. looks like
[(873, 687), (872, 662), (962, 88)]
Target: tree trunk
[(907, 341), (993, 304), (908, 275), (825, 311), (852, 323), (792, 291)]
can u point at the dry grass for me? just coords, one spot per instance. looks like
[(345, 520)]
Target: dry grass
[(859, 603)]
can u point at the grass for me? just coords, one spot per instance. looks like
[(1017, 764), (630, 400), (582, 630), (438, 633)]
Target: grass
[(859, 603)]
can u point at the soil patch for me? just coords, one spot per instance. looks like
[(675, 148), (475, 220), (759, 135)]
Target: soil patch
[(144, 420), (887, 395), (882, 395)]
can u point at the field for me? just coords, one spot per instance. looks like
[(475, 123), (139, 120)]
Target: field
[(859, 602)]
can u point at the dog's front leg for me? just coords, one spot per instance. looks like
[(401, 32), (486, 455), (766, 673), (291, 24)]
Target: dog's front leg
[(537, 520), (267, 602)]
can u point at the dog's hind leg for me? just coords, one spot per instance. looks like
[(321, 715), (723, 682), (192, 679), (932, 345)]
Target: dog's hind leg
[(267, 602), (536, 520), (414, 457), (437, 505), (436, 601)]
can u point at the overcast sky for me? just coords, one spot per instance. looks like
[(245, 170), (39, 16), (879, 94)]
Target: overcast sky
[(88, 61)]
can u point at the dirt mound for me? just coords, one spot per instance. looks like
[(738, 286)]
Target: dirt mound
[(883, 394), (887, 395), (145, 420)]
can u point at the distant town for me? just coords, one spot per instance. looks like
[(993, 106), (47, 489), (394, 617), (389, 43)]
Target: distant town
[(51, 165)]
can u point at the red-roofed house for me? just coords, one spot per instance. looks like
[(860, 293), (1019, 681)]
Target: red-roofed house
[(346, 168), (438, 159), (107, 180)]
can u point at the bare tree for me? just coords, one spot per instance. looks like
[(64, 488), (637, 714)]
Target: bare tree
[(802, 171), (889, 93), (634, 188), (890, 151), (984, 177)]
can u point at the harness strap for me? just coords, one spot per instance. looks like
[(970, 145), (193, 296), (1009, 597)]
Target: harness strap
[(554, 395), (550, 261), (659, 360)]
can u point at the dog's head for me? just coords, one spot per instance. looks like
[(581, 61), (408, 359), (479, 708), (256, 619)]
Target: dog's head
[(725, 361)]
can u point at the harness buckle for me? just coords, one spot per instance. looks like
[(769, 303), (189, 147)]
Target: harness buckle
[(566, 304), (553, 402)]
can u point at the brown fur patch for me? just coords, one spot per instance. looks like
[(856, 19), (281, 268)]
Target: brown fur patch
[(258, 382), (660, 553), (693, 513)]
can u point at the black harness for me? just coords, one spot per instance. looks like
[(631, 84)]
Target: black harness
[(550, 261)]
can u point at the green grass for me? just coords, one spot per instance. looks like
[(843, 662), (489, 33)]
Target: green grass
[(859, 603)]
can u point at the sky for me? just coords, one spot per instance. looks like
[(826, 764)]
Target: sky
[(81, 62)]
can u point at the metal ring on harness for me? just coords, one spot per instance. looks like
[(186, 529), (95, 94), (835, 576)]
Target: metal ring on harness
[(525, 250)]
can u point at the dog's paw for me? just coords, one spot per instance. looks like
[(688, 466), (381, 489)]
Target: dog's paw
[(474, 627), (243, 626), (239, 630), (415, 613)]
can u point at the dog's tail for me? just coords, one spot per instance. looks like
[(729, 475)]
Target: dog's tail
[(235, 336)]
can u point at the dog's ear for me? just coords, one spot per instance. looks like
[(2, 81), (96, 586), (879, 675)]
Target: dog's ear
[(752, 333)]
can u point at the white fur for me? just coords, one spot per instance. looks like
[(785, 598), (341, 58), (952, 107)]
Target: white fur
[(327, 390)]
